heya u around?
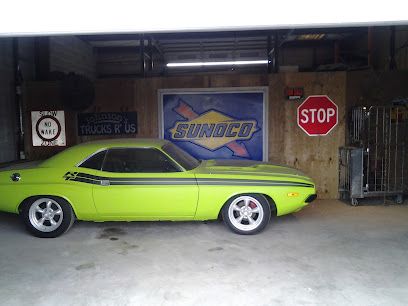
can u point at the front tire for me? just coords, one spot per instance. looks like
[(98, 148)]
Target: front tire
[(247, 214), (47, 216)]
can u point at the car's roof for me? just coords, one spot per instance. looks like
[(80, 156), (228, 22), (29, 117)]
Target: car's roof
[(125, 142), (75, 154)]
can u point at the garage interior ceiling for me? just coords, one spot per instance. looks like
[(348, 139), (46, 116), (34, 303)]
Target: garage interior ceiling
[(161, 49), (148, 55)]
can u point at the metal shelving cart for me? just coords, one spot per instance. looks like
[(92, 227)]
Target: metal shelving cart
[(375, 162)]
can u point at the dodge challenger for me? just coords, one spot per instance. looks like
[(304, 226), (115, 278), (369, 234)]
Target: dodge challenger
[(149, 180)]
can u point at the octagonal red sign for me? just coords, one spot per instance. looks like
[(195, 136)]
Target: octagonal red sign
[(317, 115)]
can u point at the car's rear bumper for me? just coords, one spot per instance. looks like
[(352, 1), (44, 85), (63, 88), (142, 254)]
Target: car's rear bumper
[(311, 198)]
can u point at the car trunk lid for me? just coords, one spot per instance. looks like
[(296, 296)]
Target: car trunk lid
[(249, 167)]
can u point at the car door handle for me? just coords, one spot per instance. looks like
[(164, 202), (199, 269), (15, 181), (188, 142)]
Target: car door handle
[(105, 182)]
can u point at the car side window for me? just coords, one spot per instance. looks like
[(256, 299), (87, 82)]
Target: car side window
[(137, 160), (95, 161)]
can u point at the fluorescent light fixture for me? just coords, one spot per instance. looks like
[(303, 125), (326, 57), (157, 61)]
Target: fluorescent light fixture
[(224, 63)]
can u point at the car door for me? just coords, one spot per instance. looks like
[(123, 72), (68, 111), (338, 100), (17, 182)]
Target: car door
[(144, 184)]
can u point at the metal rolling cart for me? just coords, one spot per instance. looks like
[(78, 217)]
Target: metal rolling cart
[(375, 163)]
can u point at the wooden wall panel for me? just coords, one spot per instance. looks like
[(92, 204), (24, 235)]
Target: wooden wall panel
[(39, 96), (288, 144), (114, 95)]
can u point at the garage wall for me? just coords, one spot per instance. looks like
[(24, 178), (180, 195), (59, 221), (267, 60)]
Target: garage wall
[(70, 54), (26, 58), (317, 156), (401, 45), (8, 141), (381, 52), (288, 144), (368, 88)]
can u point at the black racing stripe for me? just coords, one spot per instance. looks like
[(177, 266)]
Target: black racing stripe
[(130, 179), (93, 179), (175, 182), (251, 182), (152, 184), (151, 180), (84, 180), (89, 176), (255, 184)]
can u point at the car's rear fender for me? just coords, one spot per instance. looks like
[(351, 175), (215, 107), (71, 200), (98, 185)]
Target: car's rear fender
[(31, 198), (80, 200), (45, 181)]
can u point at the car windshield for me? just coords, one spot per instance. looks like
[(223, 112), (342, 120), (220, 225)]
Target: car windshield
[(184, 159)]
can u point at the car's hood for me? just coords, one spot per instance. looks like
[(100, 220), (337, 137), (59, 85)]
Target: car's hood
[(249, 168)]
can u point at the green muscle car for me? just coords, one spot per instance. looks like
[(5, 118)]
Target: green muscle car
[(149, 180)]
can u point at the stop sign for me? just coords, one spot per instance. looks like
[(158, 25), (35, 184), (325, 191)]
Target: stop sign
[(317, 115)]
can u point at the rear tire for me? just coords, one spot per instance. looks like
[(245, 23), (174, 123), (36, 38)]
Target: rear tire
[(247, 214), (47, 216)]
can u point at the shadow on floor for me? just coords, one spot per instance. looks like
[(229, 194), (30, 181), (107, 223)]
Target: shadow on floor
[(380, 201), (11, 221)]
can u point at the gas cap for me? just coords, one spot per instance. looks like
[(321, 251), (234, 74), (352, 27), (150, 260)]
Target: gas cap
[(15, 177)]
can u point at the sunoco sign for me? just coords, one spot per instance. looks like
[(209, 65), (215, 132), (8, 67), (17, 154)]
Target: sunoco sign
[(216, 124)]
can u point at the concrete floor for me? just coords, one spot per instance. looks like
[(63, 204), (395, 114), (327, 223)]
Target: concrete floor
[(327, 254)]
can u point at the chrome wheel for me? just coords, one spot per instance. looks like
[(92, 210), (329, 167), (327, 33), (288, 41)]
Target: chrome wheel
[(245, 213), (45, 215)]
